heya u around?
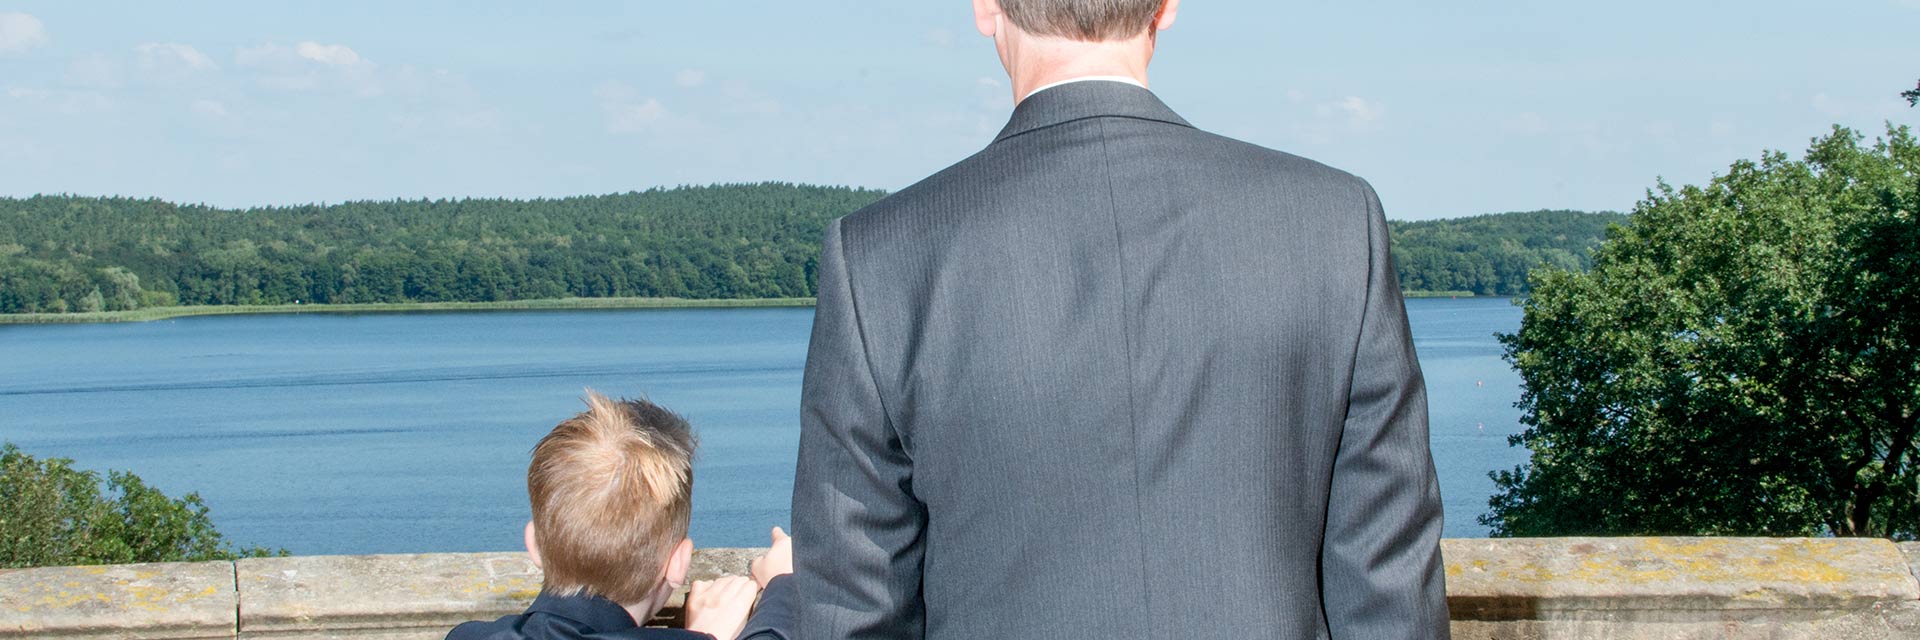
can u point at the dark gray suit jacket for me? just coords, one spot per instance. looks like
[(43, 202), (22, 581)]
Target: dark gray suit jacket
[(1115, 377)]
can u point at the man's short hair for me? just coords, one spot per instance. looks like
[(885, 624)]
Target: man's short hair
[(1087, 20), (612, 491)]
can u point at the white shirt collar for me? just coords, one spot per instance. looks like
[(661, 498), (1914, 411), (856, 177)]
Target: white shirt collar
[(1125, 79)]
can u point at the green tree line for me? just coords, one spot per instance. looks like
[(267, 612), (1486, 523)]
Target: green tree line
[(1491, 255), (64, 254), (61, 254)]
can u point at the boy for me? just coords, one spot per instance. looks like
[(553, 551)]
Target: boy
[(612, 492)]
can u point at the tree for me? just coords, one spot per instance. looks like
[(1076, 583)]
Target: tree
[(58, 515), (1912, 95), (1742, 359)]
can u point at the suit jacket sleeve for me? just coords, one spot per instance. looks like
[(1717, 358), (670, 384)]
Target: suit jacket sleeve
[(857, 524), (773, 618), (1381, 573)]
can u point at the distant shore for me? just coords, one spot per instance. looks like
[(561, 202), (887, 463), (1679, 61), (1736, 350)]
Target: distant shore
[(558, 304), (562, 304), (1445, 294)]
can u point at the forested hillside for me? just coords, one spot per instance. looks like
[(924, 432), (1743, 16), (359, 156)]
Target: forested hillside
[(61, 254), (69, 254), (1491, 254)]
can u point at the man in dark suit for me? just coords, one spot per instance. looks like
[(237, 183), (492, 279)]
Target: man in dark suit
[(1113, 377)]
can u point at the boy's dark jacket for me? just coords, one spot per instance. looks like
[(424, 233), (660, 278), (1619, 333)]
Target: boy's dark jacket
[(596, 618)]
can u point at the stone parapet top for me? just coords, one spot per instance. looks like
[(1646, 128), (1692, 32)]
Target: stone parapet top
[(1492, 577), (186, 600), (1506, 588)]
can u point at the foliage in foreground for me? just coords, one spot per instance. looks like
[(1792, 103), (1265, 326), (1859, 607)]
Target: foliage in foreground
[(56, 515), (1742, 359)]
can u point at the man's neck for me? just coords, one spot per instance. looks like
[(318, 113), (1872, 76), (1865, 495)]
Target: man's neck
[(1056, 60)]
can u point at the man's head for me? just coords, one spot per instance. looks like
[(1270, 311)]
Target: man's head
[(1084, 20), (1046, 41), (612, 491)]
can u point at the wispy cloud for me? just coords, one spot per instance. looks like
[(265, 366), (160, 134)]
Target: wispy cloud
[(690, 78), (329, 54), (95, 70), (628, 112), (1360, 112), (20, 32), (171, 56), (209, 108), (309, 65)]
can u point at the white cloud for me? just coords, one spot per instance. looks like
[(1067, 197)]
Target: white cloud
[(690, 78), (744, 98), (310, 66), (479, 121), (1361, 112), (333, 54), (1357, 113), (1528, 123), (992, 96), (942, 38), (210, 108), (627, 111), (20, 32), (170, 56), (303, 55), (1829, 106), (64, 102), (97, 70)]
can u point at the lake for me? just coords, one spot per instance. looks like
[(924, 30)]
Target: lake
[(401, 433)]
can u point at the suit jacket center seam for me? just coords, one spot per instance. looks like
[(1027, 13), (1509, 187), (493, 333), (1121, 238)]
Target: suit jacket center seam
[(1126, 335)]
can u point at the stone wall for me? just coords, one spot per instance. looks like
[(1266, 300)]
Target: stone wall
[(1497, 589)]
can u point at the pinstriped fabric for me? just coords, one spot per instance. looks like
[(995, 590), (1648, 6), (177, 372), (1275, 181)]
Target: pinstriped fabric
[(1114, 376)]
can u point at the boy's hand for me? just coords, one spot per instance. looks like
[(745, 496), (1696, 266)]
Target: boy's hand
[(778, 561), (720, 607)]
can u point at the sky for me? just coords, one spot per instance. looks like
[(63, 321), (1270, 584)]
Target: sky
[(1449, 109)]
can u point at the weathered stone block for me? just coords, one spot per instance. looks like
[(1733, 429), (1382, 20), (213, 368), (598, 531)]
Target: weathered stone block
[(1679, 588), (408, 597), (141, 601), (395, 596), (1912, 551)]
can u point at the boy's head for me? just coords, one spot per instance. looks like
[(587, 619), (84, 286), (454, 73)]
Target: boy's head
[(612, 491)]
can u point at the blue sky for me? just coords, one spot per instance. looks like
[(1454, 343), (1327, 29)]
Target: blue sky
[(1448, 108)]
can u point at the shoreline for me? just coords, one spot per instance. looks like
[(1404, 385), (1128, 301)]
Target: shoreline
[(555, 304), (1447, 294), (549, 304)]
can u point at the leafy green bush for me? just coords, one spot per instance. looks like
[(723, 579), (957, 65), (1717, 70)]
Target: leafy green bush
[(57, 515), (1742, 359)]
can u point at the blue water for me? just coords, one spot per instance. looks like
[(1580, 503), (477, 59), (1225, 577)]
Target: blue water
[(329, 434)]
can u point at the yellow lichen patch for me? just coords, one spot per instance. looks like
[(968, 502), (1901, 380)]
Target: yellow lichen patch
[(65, 600)]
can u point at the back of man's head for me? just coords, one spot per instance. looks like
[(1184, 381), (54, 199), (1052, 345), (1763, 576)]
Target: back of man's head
[(612, 492), (1086, 20)]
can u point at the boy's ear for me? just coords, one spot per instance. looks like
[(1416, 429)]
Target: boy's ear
[(533, 545), (680, 563)]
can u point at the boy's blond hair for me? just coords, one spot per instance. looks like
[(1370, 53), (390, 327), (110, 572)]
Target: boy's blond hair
[(612, 491)]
